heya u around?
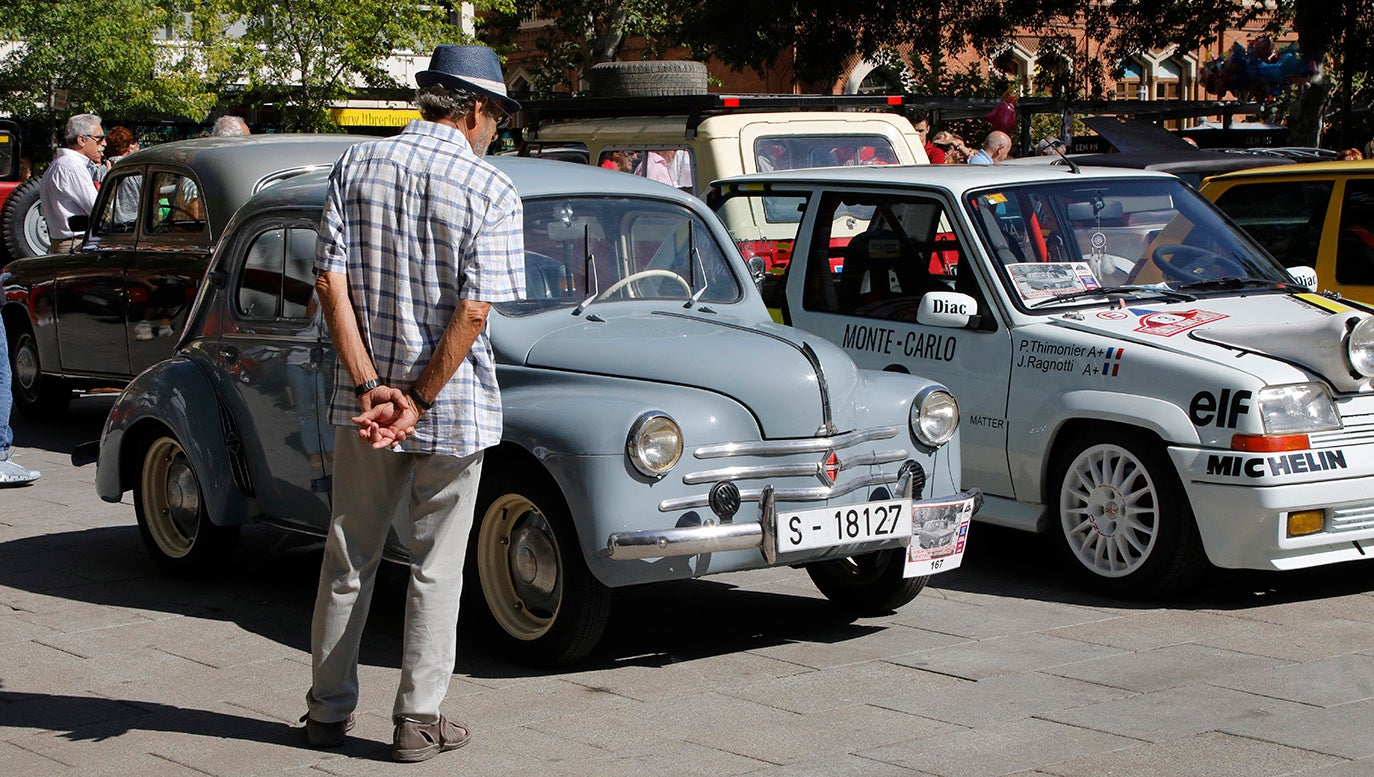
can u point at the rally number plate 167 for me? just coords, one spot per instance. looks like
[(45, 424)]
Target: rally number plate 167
[(830, 526)]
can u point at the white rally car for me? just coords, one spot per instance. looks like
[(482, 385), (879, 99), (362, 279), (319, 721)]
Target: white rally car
[(1134, 373)]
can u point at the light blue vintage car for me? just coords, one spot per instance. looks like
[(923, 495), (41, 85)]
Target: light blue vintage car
[(658, 424)]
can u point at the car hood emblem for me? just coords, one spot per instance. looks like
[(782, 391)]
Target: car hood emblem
[(829, 469)]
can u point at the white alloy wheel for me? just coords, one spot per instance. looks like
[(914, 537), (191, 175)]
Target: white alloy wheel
[(1109, 509)]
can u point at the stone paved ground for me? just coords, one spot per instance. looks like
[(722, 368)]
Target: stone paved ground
[(1003, 667)]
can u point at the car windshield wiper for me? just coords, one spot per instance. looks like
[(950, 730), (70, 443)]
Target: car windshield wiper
[(1237, 283), (1118, 291)]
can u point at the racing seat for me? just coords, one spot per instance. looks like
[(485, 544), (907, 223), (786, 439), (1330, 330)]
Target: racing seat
[(882, 266)]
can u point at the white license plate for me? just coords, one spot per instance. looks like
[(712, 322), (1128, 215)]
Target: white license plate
[(827, 527)]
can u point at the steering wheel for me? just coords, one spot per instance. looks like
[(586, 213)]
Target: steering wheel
[(644, 275), (1189, 263)]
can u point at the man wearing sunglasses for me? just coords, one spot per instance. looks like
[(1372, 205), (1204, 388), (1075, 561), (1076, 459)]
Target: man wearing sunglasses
[(69, 185)]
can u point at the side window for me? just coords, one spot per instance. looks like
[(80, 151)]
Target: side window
[(298, 274), (119, 215), (876, 256), (790, 152), (673, 166), (177, 206), (277, 280), (1286, 218), (260, 281), (1355, 245), (9, 149), (757, 235)]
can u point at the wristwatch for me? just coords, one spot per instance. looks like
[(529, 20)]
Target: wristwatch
[(366, 386), (420, 401)]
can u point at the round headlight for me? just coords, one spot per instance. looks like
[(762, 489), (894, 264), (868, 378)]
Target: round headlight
[(934, 417), (1360, 347), (654, 444)]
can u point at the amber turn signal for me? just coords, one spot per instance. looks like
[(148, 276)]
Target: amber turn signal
[(1306, 522), (1269, 443)]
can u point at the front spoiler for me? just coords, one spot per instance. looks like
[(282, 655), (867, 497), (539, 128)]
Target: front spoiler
[(761, 534)]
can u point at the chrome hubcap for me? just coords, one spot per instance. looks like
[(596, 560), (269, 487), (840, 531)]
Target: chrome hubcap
[(533, 562), (26, 365)]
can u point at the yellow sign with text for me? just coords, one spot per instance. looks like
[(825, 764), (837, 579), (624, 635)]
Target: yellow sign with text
[(373, 117)]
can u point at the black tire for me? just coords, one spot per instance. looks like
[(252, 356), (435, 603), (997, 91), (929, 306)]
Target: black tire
[(36, 396), (172, 516), (867, 585), (556, 611), (1100, 477), (646, 78), (25, 231)]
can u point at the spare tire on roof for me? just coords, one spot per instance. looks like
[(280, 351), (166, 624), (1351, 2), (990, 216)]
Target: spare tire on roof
[(647, 78)]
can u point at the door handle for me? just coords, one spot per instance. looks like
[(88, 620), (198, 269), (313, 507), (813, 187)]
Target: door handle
[(229, 353)]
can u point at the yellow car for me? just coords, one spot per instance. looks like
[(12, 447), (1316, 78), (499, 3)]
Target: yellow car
[(1319, 214)]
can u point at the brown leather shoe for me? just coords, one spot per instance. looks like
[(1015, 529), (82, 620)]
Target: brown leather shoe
[(415, 741), (327, 734)]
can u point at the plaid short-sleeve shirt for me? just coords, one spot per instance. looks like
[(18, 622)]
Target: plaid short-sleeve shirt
[(418, 222)]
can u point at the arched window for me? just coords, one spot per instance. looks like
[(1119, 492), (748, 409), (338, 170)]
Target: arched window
[(1169, 81), (1053, 74), (880, 80), (1130, 82)]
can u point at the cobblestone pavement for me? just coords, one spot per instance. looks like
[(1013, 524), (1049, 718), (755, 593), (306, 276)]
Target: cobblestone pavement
[(1002, 667)]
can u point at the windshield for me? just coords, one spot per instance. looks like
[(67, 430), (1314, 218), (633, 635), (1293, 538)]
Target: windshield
[(1055, 244), (620, 248)]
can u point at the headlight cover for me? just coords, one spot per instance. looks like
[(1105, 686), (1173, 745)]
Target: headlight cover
[(1297, 408), (1359, 347), (654, 444), (934, 417)]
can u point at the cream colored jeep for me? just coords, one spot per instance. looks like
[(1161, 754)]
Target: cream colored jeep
[(688, 141)]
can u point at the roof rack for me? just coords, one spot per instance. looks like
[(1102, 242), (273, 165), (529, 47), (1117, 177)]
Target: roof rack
[(695, 107)]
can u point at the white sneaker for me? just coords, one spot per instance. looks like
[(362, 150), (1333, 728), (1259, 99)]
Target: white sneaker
[(13, 474), (143, 330)]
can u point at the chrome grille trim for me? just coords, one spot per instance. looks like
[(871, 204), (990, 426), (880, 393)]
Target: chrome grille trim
[(785, 494), (871, 459), (1355, 430), (1351, 518), (785, 447)]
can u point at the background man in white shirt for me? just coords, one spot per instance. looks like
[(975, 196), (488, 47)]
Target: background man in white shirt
[(68, 187)]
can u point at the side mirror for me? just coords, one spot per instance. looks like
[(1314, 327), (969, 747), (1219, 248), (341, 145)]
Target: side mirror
[(757, 270), (1304, 276), (79, 223), (947, 309)]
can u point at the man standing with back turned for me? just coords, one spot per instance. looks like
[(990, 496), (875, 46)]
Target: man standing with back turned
[(419, 237)]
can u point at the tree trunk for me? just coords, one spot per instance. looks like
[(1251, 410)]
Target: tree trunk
[(1305, 120)]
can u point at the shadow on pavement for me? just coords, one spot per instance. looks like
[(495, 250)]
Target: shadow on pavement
[(269, 591), (96, 719), (82, 422), (1006, 562)]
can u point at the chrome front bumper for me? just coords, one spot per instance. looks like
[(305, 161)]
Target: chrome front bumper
[(742, 535)]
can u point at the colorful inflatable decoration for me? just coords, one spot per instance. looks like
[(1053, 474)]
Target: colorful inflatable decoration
[(1256, 73)]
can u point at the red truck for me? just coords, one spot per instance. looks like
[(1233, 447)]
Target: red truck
[(22, 230)]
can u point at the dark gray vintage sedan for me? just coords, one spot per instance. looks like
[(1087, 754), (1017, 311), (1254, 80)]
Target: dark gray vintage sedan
[(658, 424), (101, 315)]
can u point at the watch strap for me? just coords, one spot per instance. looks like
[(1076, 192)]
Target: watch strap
[(420, 402)]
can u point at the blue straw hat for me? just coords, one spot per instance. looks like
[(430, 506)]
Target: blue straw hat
[(474, 68)]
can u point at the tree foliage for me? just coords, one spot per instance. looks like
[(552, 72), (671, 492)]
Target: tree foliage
[(823, 34), (179, 59), (103, 59), (582, 33), (306, 54)]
